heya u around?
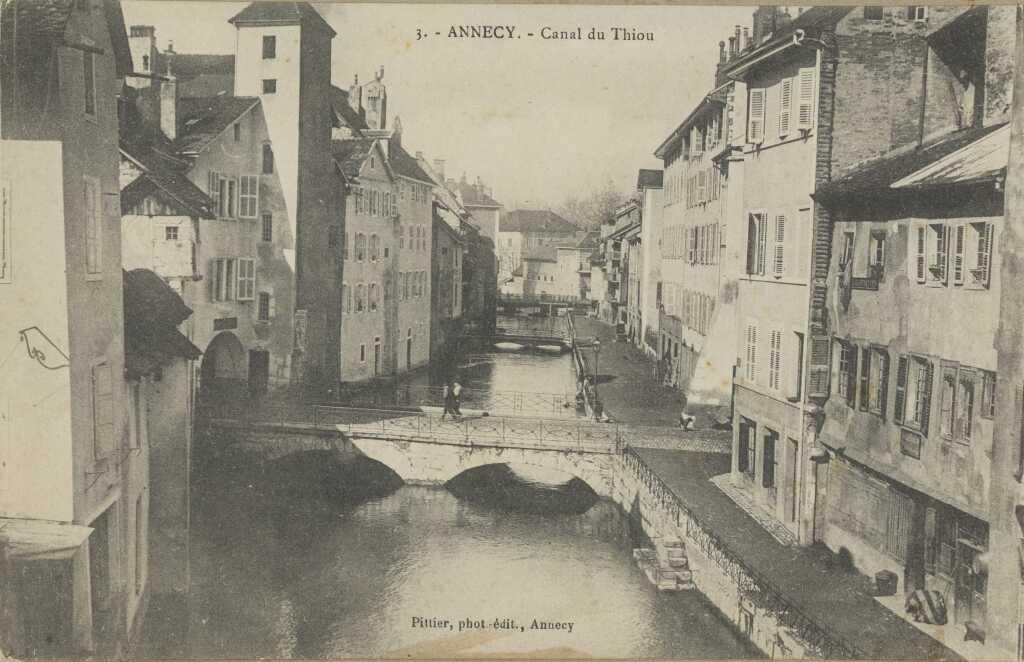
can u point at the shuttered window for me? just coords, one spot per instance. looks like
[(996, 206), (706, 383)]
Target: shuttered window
[(775, 360), (755, 121), (785, 106), (914, 392), (779, 260), (93, 226), (263, 306), (980, 272), (805, 98), (751, 356), (959, 241), (756, 242), (865, 377), (102, 410), (817, 381), (920, 261)]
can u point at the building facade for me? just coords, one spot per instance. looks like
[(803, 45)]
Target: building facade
[(68, 471), (520, 230), (650, 193), (807, 117)]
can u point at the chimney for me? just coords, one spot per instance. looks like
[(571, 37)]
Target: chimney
[(746, 38), (354, 94), (732, 47), (170, 45), (439, 168), (380, 74), (739, 42), (721, 53), (169, 107)]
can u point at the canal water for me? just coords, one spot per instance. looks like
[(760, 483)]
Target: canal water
[(308, 557)]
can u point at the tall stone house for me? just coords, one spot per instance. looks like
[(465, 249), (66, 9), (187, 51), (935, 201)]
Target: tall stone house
[(73, 529), (522, 229), (913, 315), (650, 191)]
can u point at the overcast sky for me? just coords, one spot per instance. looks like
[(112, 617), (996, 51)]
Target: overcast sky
[(537, 120)]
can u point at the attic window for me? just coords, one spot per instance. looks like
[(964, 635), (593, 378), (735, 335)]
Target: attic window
[(873, 13)]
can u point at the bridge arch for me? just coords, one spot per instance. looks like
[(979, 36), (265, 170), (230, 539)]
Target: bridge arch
[(224, 364), (436, 464)]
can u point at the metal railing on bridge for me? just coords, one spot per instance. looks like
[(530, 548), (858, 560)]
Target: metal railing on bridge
[(503, 431), (554, 327), (558, 405), (476, 430)]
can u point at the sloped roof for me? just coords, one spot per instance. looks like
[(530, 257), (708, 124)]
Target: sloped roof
[(280, 13), (878, 175), (648, 178), (982, 160), (43, 22), (534, 220), (473, 196), (342, 109), (350, 153), (541, 254), (204, 118), (811, 22), (163, 170), (404, 164), (152, 313), (199, 74)]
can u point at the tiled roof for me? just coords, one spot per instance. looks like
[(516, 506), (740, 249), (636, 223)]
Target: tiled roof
[(349, 154), (648, 179), (534, 220), (43, 22), (877, 175), (342, 109), (404, 164), (280, 13), (199, 74), (163, 170), (473, 196), (204, 118), (152, 312), (541, 254)]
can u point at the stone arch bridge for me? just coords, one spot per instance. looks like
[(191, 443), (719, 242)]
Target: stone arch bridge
[(423, 449)]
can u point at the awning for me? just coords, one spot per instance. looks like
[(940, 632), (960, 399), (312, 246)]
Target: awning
[(39, 540), (981, 160)]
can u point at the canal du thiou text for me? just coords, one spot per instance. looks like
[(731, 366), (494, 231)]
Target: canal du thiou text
[(419, 622)]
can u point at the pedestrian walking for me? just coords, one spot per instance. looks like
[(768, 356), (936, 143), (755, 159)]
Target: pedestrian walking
[(449, 401), (457, 399)]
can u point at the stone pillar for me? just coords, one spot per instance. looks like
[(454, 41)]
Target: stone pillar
[(1004, 628)]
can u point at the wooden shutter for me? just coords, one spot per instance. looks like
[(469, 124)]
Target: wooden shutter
[(780, 245), (775, 359), (981, 274), (900, 403), (883, 384), (102, 410), (768, 464), (751, 242), (922, 244), (755, 121), (744, 446), (958, 255), (852, 354), (785, 106), (865, 378), (751, 352), (942, 257), (762, 242), (805, 98), (817, 382), (926, 400)]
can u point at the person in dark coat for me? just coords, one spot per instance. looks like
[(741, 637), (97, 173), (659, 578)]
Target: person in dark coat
[(449, 400)]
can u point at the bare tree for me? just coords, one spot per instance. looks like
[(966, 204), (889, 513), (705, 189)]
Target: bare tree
[(594, 208)]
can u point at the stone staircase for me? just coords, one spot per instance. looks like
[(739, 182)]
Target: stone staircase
[(665, 565)]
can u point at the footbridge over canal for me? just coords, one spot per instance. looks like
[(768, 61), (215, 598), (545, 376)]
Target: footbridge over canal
[(424, 449)]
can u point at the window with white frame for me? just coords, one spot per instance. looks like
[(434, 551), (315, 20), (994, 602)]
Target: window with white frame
[(958, 406), (93, 226), (878, 380), (785, 106), (806, 79), (756, 116), (914, 392), (847, 369), (937, 246), (917, 13), (224, 280), (876, 253), (980, 237), (779, 257), (248, 196), (246, 279)]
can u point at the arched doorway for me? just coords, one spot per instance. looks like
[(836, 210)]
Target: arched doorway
[(224, 370)]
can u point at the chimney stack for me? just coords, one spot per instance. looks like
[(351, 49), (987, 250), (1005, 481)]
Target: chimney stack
[(439, 168), (746, 38), (732, 47), (721, 53), (169, 107), (355, 100)]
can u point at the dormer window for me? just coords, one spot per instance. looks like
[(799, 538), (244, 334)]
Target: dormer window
[(269, 47)]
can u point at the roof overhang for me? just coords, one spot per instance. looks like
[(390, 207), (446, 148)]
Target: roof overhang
[(41, 540), (705, 105), (741, 68)]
